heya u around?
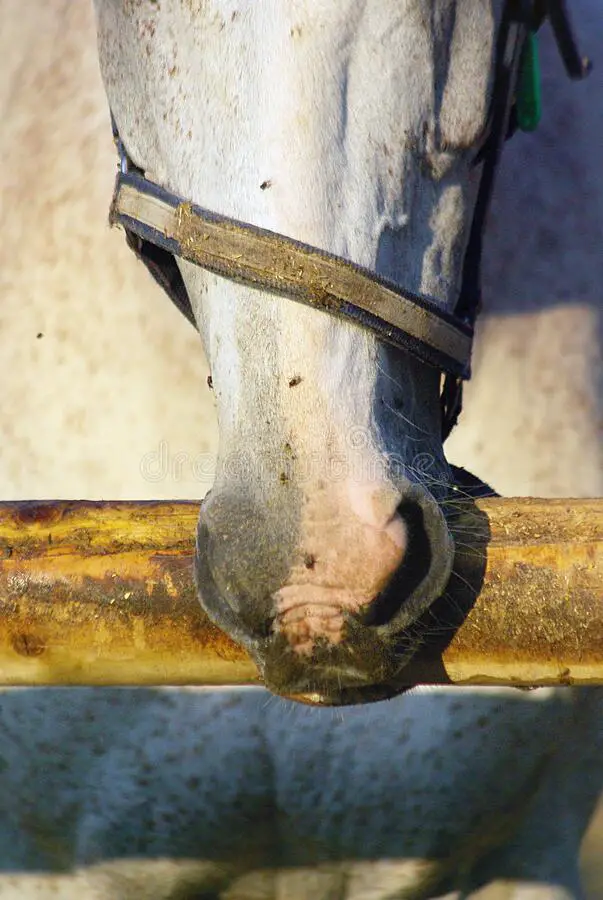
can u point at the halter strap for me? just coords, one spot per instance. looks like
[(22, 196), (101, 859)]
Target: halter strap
[(281, 265)]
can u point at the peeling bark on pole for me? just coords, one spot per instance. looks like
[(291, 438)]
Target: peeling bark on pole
[(103, 593)]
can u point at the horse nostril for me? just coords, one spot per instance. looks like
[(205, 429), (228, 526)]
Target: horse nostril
[(415, 568)]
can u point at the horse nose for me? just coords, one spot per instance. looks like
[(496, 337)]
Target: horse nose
[(372, 554)]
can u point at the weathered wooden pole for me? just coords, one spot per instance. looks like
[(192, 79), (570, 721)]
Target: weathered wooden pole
[(102, 593)]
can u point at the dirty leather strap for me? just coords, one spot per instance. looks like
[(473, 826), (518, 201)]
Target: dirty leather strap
[(278, 264)]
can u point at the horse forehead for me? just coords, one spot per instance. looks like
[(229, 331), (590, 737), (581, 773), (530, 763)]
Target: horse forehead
[(397, 65)]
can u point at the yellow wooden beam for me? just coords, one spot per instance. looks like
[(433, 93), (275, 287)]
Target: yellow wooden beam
[(102, 593)]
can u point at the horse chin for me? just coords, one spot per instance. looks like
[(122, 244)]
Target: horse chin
[(349, 696), (324, 682)]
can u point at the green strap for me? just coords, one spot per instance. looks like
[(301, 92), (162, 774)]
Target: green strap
[(529, 95)]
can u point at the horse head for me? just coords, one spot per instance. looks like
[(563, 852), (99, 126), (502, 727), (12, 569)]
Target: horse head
[(362, 129)]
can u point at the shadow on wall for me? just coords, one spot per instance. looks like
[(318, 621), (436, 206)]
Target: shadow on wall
[(549, 187)]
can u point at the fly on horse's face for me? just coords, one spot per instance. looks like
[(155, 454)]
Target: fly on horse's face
[(353, 127)]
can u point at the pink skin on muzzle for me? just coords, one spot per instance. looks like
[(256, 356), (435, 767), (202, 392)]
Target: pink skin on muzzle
[(348, 561)]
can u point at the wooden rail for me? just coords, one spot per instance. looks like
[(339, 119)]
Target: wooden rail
[(102, 593)]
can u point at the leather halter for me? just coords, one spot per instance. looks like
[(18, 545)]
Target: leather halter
[(160, 226)]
